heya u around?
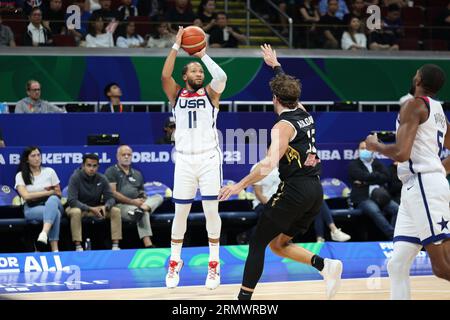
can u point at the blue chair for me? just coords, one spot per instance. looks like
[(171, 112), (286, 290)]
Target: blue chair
[(156, 187), (9, 196), (337, 195)]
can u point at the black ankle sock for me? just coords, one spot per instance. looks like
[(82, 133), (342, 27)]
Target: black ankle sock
[(245, 295), (317, 262)]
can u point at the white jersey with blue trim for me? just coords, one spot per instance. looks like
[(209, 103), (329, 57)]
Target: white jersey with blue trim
[(427, 147), (195, 121)]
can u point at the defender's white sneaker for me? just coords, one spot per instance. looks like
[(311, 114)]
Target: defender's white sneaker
[(339, 235), (213, 278), (173, 274), (331, 273)]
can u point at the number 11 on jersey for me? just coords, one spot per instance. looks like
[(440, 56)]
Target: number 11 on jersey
[(192, 119)]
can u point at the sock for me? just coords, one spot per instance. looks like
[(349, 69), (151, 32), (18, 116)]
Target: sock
[(245, 295), (317, 262), (78, 247), (175, 250), (214, 251)]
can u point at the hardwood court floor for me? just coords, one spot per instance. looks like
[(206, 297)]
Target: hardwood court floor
[(422, 287)]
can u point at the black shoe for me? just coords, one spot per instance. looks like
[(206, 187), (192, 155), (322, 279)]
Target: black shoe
[(136, 214)]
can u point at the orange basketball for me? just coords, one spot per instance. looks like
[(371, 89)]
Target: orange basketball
[(194, 39)]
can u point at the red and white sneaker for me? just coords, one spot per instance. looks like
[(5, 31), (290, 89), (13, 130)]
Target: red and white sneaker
[(213, 278), (173, 274)]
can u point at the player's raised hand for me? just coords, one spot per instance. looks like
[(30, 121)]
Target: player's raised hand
[(269, 56), (228, 191), (179, 35), (371, 142)]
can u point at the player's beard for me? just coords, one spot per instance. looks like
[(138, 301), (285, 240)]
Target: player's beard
[(195, 86)]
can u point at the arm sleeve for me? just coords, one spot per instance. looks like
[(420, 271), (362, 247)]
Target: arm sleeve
[(219, 77), (278, 70)]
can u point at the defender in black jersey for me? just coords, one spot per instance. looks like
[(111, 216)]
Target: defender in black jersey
[(292, 209)]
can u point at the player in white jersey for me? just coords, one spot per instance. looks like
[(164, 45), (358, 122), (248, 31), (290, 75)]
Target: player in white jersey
[(198, 162), (423, 216)]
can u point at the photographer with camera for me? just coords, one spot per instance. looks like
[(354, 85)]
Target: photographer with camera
[(90, 195)]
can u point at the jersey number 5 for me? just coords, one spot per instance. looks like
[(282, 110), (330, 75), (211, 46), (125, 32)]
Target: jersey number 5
[(192, 119)]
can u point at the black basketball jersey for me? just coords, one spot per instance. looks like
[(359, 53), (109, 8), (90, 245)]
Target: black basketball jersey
[(301, 157)]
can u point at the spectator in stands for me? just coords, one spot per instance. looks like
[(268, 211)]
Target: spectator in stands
[(332, 26), (29, 5), (206, 15), (224, 36), (106, 12), (113, 93), (394, 185), (36, 34), (127, 10), (325, 217), (39, 188), (127, 185), (151, 8), (286, 7), (98, 36), (54, 18), (79, 34), (33, 103), (129, 38), (89, 194), (309, 15), (6, 35), (381, 40), (353, 38), (93, 5), (2, 142), (392, 22), (341, 10), (169, 132), (162, 38), (358, 10), (368, 177), (181, 14)]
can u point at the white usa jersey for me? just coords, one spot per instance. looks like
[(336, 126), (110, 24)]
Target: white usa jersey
[(195, 120), (427, 147)]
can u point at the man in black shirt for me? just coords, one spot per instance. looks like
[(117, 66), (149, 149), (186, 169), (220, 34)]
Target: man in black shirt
[(292, 209), (332, 26), (54, 17), (223, 36), (180, 14), (113, 93), (169, 131)]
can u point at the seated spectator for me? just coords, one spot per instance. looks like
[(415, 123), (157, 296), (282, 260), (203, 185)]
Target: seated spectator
[(29, 5), (129, 38), (39, 188), (127, 10), (309, 16), (54, 18), (127, 185), (79, 34), (36, 34), (325, 217), (353, 38), (341, 10), (89, 194), (223, 36), (162, 38), (33, 103), (113, 93), (206, 15), (106, 12), (392, 22), (332, 26), (6, 35), (368, 177), (286, 7), (381, 40), (2, 142), (169, 132), (151, 8), (93, 5), (358, 10), (394, 185), (181, 14), (97, 36)]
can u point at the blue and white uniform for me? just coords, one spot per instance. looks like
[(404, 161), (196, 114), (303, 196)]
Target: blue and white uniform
[(424, 214), (198, 161)]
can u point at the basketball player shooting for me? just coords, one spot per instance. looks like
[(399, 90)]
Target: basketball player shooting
[(198, 156), (423, 216)]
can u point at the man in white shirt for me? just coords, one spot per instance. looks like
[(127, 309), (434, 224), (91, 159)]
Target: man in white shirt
[(36, 34)]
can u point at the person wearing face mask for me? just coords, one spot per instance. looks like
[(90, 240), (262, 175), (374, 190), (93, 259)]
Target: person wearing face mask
[(127, 185), (368, 177)]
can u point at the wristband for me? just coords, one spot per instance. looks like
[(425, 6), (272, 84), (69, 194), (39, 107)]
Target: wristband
[(278, 70), (175, 47)]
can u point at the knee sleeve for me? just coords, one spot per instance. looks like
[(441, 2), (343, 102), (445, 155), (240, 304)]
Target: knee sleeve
[(213, 221), (180, 221)]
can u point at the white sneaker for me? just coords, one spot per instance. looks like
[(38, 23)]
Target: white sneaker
[(115, 248), (79, 249), (340, 236), (320, 240), (42, 237), (331, 273), (213, 278), (173, 274)]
